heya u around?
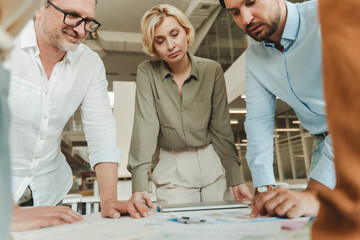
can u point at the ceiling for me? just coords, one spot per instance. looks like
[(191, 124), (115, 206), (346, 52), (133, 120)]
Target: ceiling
[(125, 15)]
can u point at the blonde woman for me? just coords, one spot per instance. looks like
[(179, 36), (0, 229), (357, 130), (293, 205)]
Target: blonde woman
[(181, 106)]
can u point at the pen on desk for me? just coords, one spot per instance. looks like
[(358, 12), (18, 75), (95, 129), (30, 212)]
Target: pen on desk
[(187, 220)]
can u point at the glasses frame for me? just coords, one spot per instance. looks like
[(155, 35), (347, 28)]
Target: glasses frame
[(76, 15)]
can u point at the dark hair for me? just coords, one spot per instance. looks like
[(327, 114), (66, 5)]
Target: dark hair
[(222, 3)]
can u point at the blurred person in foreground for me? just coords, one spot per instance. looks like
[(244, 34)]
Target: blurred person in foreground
[(13, 15), (339, 216)]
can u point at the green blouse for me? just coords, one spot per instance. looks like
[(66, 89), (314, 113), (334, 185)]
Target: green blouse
[(164, 119)]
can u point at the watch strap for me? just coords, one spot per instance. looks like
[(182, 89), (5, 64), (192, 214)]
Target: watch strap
[(269, 188)]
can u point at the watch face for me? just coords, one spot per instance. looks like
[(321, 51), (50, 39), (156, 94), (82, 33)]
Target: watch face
[(262, 189)]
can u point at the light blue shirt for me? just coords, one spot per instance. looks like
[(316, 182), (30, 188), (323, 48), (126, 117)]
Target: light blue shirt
[(295, 77)]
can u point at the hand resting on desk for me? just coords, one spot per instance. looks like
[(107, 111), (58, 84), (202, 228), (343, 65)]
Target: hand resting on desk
[(114, 208), (285, 203), (143, 197), (39, 217)]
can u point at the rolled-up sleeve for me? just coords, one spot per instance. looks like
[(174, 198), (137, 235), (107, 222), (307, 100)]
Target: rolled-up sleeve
[(98, 121), (221, 134), (145, 132), (324, 171), (259, 127)]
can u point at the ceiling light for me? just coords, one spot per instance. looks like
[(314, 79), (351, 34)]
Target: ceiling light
[(244, 140), (287, 129), (112, 98), (244, 96), (296, 122), (237, 110), (240, 144), (234, 121)]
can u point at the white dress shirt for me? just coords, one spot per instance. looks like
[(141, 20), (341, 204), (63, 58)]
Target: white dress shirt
[(41, 107)]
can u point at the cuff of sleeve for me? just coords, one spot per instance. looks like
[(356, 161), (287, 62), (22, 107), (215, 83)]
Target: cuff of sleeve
[(324, 172), (105, 154), (140, 179), (234, 176), (263, 177)]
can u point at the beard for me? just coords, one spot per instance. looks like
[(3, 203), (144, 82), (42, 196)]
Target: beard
[(269, 27), (60, 39), (71, 45)]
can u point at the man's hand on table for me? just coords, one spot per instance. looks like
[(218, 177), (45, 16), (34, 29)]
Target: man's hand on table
[(285, 203), (39, 217)]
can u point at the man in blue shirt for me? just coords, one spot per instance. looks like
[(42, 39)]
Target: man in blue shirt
[(284, 62)]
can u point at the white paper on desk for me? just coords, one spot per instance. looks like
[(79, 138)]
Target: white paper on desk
[(178, 231), (93, 228), (220, 224)]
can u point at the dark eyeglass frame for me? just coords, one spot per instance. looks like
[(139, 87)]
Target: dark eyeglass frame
[(76, 16)]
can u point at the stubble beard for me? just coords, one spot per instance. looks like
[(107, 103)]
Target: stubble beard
[(58, 39), (269, 27)]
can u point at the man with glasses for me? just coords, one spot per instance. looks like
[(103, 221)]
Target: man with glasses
[(54, 74), (284, 62)]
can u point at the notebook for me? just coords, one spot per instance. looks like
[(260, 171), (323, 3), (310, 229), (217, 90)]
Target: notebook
[(181, 207)]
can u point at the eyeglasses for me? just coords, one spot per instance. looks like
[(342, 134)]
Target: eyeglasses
[(74, 20)]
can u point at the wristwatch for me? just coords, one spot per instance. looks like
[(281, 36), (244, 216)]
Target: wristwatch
[(264, 188)]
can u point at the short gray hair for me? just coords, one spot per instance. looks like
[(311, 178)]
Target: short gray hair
[(45, 2)]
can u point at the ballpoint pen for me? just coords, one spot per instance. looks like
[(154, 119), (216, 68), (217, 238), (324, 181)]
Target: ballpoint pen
[(187, 220)]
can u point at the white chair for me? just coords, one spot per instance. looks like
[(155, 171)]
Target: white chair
[(73, 200), (92, 204)]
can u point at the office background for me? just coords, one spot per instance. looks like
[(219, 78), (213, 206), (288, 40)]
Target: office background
[(118, 42)]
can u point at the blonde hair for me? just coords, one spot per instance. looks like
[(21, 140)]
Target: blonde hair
[(155, 17)]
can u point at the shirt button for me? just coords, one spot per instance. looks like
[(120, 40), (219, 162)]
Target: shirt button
[(36, 157), (33, 190), (45, 117), (46, 92), (41, 138), (283, 42)]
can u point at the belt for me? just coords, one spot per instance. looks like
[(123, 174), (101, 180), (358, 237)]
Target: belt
[(184, 149), (321, 135)]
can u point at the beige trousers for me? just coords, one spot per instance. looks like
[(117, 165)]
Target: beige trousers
[(27, 200), (189, 176)]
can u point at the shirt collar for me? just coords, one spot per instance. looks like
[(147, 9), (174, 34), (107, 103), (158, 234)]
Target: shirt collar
[(28, 36), (292, 24), (165, 70), (291, 28), (28, 40)]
